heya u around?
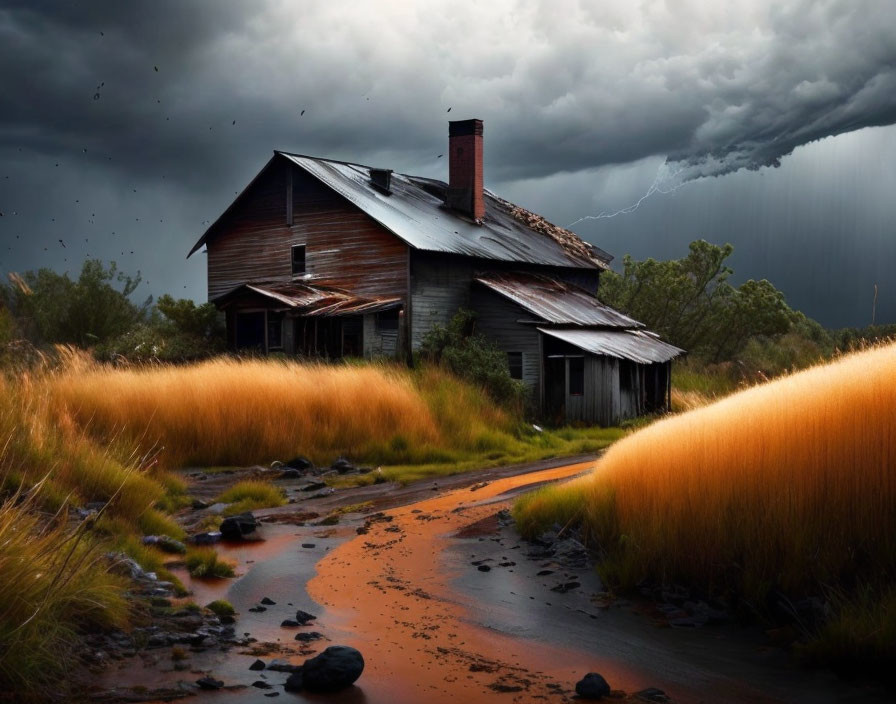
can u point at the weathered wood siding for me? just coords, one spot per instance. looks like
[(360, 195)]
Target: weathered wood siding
[(344, 246), (379, 343), (440, 284), (252, 241), (497, 319)]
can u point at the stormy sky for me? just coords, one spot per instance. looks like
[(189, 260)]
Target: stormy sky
[(126, 127)]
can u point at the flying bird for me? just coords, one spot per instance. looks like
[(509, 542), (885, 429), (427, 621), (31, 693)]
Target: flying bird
[(156, 68), (440, 156), (234, 122), (301, 113), (448, 110), (63, 244)]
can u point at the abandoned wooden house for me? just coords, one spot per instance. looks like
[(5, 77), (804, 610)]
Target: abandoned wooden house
[(326, 258)]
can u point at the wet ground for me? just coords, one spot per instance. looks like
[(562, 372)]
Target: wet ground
[(413, 594)]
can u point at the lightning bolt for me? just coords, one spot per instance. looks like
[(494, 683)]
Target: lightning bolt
[(660, 185)]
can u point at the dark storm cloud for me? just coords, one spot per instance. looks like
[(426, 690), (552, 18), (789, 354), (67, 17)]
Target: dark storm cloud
[(564, 87)]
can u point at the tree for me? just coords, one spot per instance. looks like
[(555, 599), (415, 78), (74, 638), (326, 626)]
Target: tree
[(51, 308), (690, 302)]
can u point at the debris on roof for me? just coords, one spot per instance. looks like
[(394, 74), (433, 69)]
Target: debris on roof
[(566, 239)]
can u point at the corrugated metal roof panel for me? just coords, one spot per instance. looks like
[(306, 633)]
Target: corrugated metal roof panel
[(415, 212), (636, 345), (314, 300), (555, 301)]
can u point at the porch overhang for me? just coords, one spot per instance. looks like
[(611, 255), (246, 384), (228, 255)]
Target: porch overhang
[(640, 346)]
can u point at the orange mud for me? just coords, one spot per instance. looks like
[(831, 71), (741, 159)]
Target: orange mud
[(389, 593)]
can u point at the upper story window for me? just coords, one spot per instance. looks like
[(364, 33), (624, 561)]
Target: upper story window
[(387, 321), (298, 259)]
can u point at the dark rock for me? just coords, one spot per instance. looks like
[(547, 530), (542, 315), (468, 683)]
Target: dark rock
[(209, 683), (544, 573), (291, 473), (484, 568), (295, 682), (302, 463), (199, 504), (272, 694), (258, 609), (336, 668), (342, 465), (307, 637), (308, 545), (268, 602), (235, 527), (304, 618), (257, 665), (652, 694), (209, 538), (565, 587), (165, 543), (283, 666), (314, 486), (592, 686), (288, 623), (261, 684)]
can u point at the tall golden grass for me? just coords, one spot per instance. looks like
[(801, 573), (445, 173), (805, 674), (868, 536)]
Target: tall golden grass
[(240, 412), (790, 485)]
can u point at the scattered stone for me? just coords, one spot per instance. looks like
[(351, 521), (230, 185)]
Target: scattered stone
[(288, 623), (209, 683), (592, 686), (343, 466), (257, 665), (236, 527), (652, 694), (295, 682), (291, 474), (335, 668), (308, 545), (209, 538), (484, 568), (199, 504), (300, 462), (314, 485), (544, 573), (272, 694), (267, 601), (307, 637), (261, 684), (278, 665), (566, 587), (478, 486), (258, 609), (165, 543), (303, 617)]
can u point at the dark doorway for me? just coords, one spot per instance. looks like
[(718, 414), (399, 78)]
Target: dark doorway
[(555, 388), (250, 331)]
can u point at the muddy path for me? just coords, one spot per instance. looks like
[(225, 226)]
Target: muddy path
[(447, 604)]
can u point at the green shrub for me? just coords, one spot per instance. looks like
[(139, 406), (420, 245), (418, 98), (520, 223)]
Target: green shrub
[(205, 562), (221, 607), (469, 355)]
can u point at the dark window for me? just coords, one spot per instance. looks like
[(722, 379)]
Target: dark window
[(576, 376), (387, 321), (515, 364), (275, 331), (298, 259)]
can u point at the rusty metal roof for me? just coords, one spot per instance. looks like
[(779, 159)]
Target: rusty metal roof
[(414, 211), (638, 346), (312, 300), (555, 301)]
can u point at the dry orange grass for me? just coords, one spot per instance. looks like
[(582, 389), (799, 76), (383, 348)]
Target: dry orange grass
[(790, 484), (228, 411)]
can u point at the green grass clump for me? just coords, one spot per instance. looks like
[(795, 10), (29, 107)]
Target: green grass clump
[(248, 495), (54, 584), (221, 607), (205, 562)]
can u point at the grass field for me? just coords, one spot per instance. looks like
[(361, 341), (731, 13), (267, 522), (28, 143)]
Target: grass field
[(787, 486), (227, 412)]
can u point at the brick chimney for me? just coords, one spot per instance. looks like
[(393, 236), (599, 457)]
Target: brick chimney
[(465, 168)]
